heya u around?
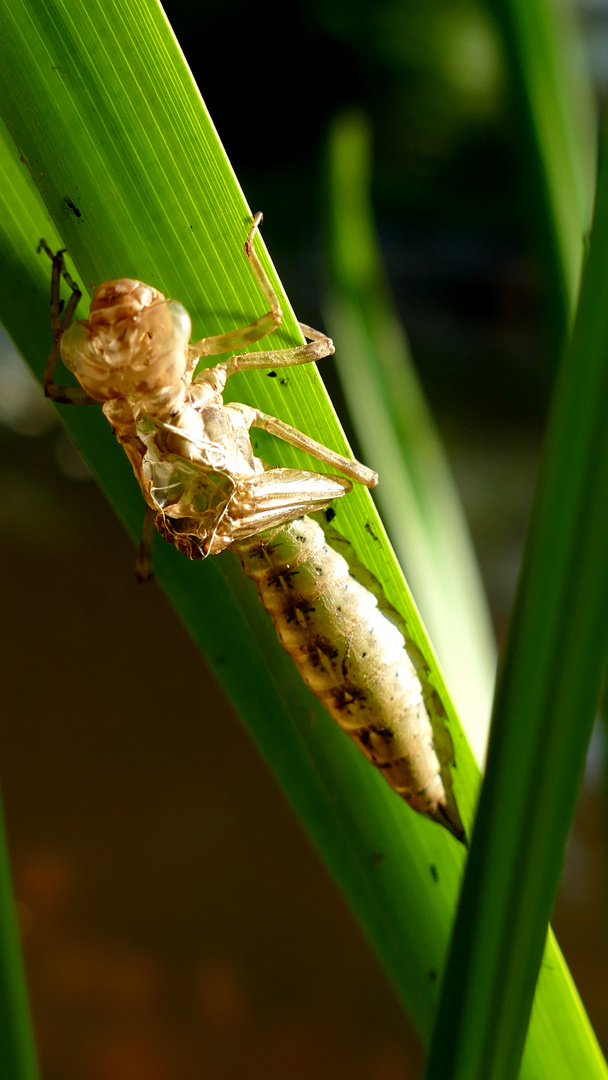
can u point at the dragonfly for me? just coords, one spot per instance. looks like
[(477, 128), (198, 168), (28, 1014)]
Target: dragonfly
[(206, 491)]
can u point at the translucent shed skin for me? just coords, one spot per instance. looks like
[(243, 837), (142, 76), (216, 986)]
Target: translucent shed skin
[(206, 491)]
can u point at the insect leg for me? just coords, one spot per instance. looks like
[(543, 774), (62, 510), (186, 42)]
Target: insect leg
[(245, 335), (60, 320), (354, 469), (144, 553), (318, 346)]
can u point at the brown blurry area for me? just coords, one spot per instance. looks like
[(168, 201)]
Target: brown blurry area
[(176, 924)]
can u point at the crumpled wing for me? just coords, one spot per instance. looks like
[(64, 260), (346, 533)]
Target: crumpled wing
[(277, 496)]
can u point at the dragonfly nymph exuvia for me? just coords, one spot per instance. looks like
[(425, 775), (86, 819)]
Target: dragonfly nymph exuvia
[(206, 491)]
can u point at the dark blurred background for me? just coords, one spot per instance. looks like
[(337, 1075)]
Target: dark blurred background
[(189, 931)]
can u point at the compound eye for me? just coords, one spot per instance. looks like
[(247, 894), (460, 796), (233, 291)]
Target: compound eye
[(166, 324), (182, 323)]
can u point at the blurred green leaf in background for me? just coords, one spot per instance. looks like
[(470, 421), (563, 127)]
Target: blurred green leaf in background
[(417, 496)]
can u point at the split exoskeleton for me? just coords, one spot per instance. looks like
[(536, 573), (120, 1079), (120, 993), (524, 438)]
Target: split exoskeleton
[(191, 453), (205, 491)]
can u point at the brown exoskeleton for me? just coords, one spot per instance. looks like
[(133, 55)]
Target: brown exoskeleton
[(205, 491), (191, 453)]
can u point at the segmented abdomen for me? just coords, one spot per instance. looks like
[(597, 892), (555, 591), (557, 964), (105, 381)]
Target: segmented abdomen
[(354, 659)]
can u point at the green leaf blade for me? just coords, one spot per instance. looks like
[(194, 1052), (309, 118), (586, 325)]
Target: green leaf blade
[(555, 124), (547, 696)]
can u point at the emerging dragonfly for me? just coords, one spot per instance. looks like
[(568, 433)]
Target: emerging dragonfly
[(205, 491)]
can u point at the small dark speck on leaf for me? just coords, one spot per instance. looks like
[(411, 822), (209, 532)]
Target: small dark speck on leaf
[(377, 858), (330, 514), (432, 975), (271, 374), (371, 532), (72, 206), (434, 874)]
